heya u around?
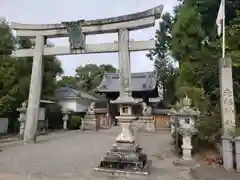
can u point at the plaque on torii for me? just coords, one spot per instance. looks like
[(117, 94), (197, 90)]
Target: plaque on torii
[(75, 34)]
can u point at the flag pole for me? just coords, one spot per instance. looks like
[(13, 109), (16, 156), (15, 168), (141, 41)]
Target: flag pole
[(223, 29)]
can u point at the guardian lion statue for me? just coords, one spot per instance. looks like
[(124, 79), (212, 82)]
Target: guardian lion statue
[(91, 108), (146, 110)]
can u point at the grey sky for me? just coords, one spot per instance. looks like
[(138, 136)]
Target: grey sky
[(56, 11)]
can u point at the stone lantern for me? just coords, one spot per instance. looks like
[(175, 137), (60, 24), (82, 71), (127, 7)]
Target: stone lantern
[(186, 119), (22, 118), (66, 114)]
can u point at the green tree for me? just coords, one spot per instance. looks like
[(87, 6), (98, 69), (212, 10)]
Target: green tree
[(8, 81), (188, 49), (52, 68), (187, 35), (198, 50), (208, 10), (233, 39), (163, 63), (71, 81), (90, 75), (15, 73)]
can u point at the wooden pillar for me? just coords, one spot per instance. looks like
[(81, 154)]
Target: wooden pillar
[(34, 92)]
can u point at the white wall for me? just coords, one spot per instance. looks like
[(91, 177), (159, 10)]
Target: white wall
[(76, 105), (41, 113), (70, 104), (3, 125), (80, 107)]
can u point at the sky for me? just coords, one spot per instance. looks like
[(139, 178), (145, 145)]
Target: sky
[(56, 11)]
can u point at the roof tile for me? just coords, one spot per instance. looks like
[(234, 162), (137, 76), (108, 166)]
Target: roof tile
[(140, 82)]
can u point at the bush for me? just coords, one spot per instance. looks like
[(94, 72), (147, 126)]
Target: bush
[(209, 133), (75, 122)]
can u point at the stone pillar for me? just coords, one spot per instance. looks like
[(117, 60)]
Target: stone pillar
[(108, 115), (186, 147), (125, 92), (237, 150), (34, 92), (172, 124), (186, 159), (22, 118), (126, 136), (227, 109), (65, 120)]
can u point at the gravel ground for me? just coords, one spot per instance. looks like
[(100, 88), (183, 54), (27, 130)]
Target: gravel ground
[(73, 155)]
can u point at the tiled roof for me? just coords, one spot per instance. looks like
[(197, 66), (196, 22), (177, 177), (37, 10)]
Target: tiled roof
[(160, 111), (151, 100), (140, 82), (67, 92)]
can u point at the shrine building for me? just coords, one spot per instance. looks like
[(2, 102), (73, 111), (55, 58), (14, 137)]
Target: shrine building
[(144, 88)]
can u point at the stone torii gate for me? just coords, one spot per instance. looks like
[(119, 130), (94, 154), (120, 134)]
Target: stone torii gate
[(77, 32)]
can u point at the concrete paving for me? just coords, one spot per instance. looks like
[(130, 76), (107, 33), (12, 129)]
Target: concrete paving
[(73, 155)]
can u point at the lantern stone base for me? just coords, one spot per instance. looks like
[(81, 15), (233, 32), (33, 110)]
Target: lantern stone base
[(124, 173), (147, 124), (90, 123), (125, 155), (124, 158)]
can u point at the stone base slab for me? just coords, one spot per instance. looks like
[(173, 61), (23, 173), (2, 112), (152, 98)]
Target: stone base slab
[(147, 124), (90, 123)]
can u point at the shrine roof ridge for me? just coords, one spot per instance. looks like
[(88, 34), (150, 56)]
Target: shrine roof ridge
[(143, 81), (133, 75), (66, 92), (153, 12)]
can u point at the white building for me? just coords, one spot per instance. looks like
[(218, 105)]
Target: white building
[(75, 100)]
